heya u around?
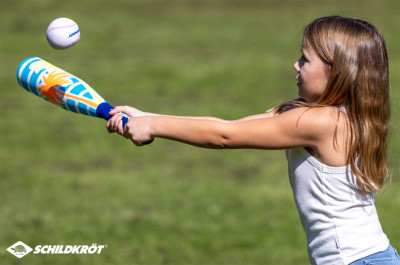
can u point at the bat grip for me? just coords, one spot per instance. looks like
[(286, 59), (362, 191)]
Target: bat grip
[(124, 120), (103, 110)]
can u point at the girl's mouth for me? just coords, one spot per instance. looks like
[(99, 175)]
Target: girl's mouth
[(298, 79)]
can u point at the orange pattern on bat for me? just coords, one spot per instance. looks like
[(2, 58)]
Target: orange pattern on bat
[(50, 89)]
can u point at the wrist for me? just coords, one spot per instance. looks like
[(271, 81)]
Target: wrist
[(149, 114), (152, 125)]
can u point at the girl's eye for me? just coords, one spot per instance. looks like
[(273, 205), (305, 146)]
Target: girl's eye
[(302, 58)]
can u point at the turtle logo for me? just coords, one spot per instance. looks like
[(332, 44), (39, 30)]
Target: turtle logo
[(19, 249)]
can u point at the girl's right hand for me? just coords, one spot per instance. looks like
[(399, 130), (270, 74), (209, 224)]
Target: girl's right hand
[(133, 112)]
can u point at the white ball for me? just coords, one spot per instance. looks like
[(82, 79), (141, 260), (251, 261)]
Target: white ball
[(63, 33)]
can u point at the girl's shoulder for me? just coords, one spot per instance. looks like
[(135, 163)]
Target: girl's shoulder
[(320, 115), (321, 122), (328, 128)]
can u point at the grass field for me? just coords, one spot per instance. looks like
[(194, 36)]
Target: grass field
[(66, 181)]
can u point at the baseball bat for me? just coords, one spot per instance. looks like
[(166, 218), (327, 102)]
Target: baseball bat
[(63, 89)]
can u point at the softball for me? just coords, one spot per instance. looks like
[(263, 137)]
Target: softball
[(63, 33)]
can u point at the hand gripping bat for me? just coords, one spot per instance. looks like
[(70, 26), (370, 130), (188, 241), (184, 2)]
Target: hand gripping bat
[(63, 89)]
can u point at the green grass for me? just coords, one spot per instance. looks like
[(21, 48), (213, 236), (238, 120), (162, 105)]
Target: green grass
[(65, 181)]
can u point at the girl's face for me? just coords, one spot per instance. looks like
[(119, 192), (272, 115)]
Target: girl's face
[(312, 74)]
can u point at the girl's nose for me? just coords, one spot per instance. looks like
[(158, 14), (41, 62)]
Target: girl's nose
[(296, 66)]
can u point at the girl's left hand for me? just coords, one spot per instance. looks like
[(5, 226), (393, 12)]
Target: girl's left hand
[(137, 129), (115, 122)]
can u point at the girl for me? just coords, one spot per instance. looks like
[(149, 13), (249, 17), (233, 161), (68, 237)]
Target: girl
[(334, 136)]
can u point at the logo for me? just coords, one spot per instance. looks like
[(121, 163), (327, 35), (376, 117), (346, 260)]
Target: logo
[(19, 249), (73, 33), (68, 249)]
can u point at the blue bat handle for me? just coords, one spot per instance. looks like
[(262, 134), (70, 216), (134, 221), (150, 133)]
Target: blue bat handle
[(103, 110), (124, 120)]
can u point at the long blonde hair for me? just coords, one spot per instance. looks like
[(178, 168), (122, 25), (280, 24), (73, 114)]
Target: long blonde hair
[(356, 54)]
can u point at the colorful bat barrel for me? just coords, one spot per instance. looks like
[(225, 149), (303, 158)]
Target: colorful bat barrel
[(62, 88)]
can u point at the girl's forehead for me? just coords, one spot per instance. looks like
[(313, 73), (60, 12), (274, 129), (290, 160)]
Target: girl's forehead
[(306, 47), (305, 44)]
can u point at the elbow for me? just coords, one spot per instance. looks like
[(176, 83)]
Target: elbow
[(227, 137), (220, 137), (221, 141)]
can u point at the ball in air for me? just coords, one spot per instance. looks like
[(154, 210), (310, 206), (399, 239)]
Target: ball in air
[(63, 33)]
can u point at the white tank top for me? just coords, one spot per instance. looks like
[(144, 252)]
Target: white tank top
[(341, 224)]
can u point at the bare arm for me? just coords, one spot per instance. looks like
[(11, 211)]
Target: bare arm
[(294, 128), (133, 112)]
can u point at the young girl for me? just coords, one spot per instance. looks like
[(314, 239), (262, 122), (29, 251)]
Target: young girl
[(334, 136)]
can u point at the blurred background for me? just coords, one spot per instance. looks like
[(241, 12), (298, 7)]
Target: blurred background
[(66, 181)]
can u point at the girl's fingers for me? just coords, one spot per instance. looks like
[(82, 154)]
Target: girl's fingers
[(109, 127), (118, 109), (114, 124)]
